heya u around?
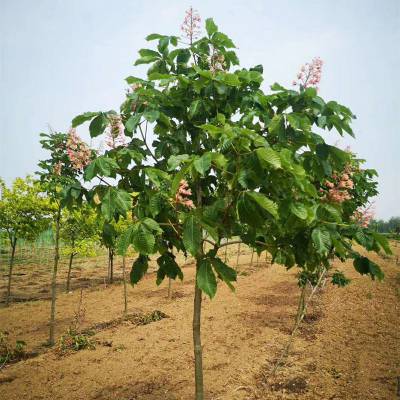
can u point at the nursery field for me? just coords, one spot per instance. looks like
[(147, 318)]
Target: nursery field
[(348, 346)]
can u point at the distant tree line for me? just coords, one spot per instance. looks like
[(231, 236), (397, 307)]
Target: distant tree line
[(390, 226)]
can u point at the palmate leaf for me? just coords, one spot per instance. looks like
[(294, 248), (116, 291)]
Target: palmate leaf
[(365, 266), (168, 267), (321, 239), (192, 235), (115, 200), (139, 269), (205, 278)]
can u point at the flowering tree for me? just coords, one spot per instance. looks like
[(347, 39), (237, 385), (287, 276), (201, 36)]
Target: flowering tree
[(24, 213), (226, 160), (60, 173)]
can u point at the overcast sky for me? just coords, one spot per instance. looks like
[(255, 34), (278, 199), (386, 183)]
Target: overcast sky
[(60, 58)]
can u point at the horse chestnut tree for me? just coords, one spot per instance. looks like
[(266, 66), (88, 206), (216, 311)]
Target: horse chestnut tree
[(225, 159)]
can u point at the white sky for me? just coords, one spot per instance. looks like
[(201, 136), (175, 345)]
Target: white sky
[(60, 58)]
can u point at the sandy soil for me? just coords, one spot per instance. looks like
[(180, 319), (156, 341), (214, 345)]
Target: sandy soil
[(348, 346)]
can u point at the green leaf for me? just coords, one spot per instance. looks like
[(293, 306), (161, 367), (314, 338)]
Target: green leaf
[(168, 267), (115, 200), (98, 125), (154, 36), (192, 235), (266, 155), (211, 28), (175, 161), (152, 225), (149, 53), (151, 115), (299, 210), (220, 39), (143, 240), (139, 269), (365, 266), (205, 278), (322, 240), (157, 176), (133, 122), (228, 79), (203, 164), (80, 119), (264, 202), (227, 274), (382, 241), (195, 108), (146, 60), (124, 240), (102, 166)]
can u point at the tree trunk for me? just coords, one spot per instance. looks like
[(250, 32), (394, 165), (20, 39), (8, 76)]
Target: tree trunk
[(198, 351), (10, 269), (71, 257), (169, 288), (252, 256), (54, 279), (111, 255), (125, 291), (238, 256)]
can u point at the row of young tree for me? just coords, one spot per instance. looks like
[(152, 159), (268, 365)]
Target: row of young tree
[(225, 163), (26, 212)]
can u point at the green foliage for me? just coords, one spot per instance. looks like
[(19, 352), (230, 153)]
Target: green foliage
[(254, 165), (74, 340), (80, 230), (25, 211), (8, 352)]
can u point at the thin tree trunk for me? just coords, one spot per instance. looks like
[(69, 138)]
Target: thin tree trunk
[(226, 253), (169, 288), (198, 351), (258, 259), (125, 291), (54, 279), (238, 256), (252, 256), (111, 266), (10, 269), (71, 257)]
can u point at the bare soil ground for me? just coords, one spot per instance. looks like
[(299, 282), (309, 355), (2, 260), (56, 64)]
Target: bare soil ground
[(348, 346)]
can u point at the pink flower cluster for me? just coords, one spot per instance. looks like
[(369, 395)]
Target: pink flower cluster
[(78, 151), (310, 74), (363, 216), (182, 194), (338, 190), (116, 132), (191, 25)]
